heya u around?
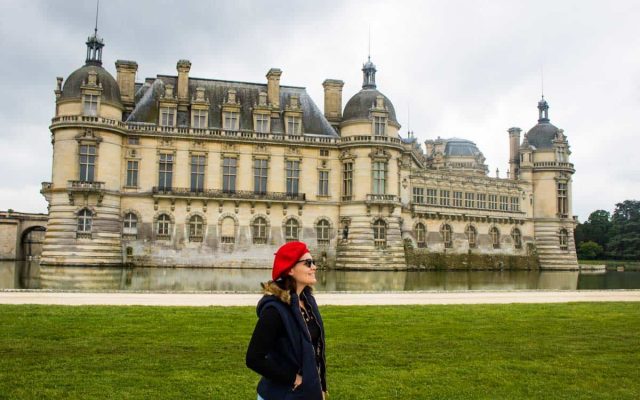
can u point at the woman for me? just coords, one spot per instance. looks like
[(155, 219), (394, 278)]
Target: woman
[(287, 346)]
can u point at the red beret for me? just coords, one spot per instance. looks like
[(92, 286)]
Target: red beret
[(286, 258)]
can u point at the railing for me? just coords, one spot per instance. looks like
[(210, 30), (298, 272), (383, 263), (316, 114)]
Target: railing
[(85, 185), (552, 164), (229, 194), (370, 138), (382, 198)]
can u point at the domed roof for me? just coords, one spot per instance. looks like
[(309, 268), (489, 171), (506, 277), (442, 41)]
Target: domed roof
[(542, 135), (110, 88), (461, 147), (359, 105)]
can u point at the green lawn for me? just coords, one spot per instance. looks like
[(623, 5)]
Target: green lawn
[(558, 351)]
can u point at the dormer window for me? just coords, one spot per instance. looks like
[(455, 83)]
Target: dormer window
[(294, 125), (261, 122), (199, 119), (231, 120), (167, 116), (379, 126), (90, 105)]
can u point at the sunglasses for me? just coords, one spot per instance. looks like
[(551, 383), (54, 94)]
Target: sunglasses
[(308, 262)]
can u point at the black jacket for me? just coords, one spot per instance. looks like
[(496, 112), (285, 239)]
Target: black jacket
[(281, 347)]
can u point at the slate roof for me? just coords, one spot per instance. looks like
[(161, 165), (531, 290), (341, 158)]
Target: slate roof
[(542, 135), (460, 147), (359, 105), (148, 94), (110, 89)]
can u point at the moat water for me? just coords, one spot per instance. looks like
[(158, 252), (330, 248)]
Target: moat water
[(26, 275)]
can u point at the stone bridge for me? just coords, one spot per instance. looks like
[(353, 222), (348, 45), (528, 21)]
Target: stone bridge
[(21, 235)]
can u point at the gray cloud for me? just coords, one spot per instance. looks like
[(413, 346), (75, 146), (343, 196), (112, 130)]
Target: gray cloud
[(464, 68)]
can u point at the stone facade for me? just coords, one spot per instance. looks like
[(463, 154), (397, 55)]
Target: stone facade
[(186, 171)]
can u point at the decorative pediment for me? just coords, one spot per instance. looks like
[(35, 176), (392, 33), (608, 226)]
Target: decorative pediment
[(88, 136), (380, 153), (346, 155)]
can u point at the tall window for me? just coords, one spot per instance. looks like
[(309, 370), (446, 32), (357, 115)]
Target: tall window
[(482, 201), (421, 235), (132, 173), (293, 176), (444, 197), (294, 125), (167, 116), (163, 224), (165, 170), (231, 120), (515, 203), (379, 177), (517, 238), (229, 172), (259, 231), (291, 230), (457, 199), (494, 233), (262, 123), (447, 236), (563, 202), (130, 224), (196, 228), (85, 218), (322, 232), (87, 162), (564, 239), (418, 195), (379, 125), (432, 197), (199, 119), (504, 203), (260, 176), (347, 181), (197, 173), (472, 235), (380, 234), (90, 105), (493, 202), (469, 200), (323, 183), (228, 230)]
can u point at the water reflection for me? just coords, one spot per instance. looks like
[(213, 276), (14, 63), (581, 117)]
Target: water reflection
[(28, 275)]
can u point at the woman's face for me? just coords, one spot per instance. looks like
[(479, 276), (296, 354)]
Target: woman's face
[(303, 274)]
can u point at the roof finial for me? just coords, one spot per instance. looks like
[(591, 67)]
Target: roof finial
[(95, 31), (542, 80), (369, 48)]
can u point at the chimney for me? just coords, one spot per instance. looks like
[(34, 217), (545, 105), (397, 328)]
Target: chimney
[(333, 100), (183, 67), (514, 156), (126, 77), (273, 87)]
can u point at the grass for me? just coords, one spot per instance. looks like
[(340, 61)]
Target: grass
[(532, 351)]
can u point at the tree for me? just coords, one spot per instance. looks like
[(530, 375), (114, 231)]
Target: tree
[(624, 237), (589, 250), (595, 229)]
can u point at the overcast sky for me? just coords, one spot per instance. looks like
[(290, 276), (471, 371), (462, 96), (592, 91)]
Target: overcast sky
[(466, 69)]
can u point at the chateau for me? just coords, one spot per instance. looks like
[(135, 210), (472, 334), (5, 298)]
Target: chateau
[(185, 171)]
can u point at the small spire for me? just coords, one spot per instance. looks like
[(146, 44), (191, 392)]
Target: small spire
[(368, 75), (543, 111)]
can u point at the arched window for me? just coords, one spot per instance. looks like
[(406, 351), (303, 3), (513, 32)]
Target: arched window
[(380, 234), (85, 219), (163, 225), (259, 231), (517, 238), (472, 236), (196, 228), (495, 237), (228, 230), (322, 232), (421, 235), (130, 224), (564, 239), (291, 230), (447, 235)]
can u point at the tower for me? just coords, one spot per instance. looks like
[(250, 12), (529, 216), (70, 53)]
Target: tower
[(545, 163)]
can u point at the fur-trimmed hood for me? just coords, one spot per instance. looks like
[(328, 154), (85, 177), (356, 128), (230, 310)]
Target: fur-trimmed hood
[(271, 288)]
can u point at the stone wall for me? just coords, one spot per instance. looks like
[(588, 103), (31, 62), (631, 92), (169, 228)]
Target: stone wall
[(419, 258)]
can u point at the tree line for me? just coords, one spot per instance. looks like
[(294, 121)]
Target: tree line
[(606, 236)]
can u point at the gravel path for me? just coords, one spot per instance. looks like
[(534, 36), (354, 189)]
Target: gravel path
[(356, 298)]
